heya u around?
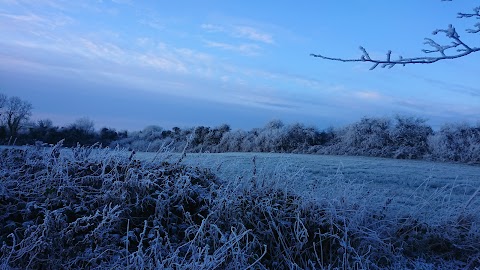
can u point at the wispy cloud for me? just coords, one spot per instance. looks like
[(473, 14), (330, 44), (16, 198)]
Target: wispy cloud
[(410, 104), (446, 112), (454, 87), (162, 63), (48, 3), (240, 32), (153, 23), (212, 27), (33, 20), (368, 95), (252, 34), (148, 63), (122, 1), (246, 49), (97, 50), (264, 101)]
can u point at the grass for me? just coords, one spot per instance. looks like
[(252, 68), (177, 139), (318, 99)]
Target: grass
[(103, 209)]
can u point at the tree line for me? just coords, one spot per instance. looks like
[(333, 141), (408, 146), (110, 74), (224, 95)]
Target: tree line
[(17, 129), (401, 137)]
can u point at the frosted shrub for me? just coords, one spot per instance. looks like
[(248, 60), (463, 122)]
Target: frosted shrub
[(456, 142), (368, 137), (232, 141), (410, 136), (88, 208)]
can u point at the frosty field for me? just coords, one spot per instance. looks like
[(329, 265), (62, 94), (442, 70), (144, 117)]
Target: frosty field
[(391, 177), (429, 190), (88, 207)]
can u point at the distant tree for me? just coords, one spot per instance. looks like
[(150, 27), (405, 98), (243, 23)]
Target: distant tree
[(3, 102), (16, 112), (151, 138), (108, 135), (124, 134), (176, 130), (456, 142), (456, 49), (293, 137), (409, 137), (369, 137), (152, 133), (224, 128), (232, 141), (85, 125), (167, 133), (82, 132), (45, 123), (44, 131), (199, 135), (274, 124), (215, 135), (326, 136)]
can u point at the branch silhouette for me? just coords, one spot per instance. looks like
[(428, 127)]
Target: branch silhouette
[(456, 49)]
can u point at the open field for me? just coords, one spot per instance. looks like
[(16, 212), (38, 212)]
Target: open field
[(400, 178)]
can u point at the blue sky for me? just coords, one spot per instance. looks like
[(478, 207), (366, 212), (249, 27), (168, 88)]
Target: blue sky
[(128, 64)]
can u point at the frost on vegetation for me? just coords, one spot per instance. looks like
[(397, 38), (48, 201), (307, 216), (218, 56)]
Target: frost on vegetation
[(101, 209), (457, 47), (403, 137), (92, 208)]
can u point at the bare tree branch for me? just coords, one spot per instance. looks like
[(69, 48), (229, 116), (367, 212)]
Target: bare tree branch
[(461, 48)]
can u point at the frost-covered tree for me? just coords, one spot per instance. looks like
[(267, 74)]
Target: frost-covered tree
[(441, 51), (151, 133), (409, 137), (232, 141), (270, 137), (199, 135), (456, 142), (369, 136), (274, 124), (296, 137), (213, 138), (16, 113)]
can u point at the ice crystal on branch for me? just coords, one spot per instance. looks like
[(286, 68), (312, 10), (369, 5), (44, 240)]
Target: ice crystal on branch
[(457, 45)]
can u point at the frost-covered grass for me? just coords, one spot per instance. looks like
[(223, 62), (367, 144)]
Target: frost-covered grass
[(103, 209), (397, 177)]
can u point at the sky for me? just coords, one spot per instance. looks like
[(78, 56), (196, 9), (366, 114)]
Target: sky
[(128, 64)]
